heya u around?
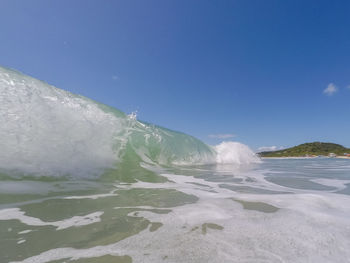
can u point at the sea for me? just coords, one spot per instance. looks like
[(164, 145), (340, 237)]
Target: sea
[(84, 182)]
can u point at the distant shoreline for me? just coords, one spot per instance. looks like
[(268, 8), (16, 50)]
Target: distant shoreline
[(310, 150), (303, 157)]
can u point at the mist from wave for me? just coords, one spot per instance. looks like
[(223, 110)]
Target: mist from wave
[(47, 131)]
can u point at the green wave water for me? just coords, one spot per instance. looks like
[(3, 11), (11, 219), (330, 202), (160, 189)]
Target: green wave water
[(47, 131), (81, 182)]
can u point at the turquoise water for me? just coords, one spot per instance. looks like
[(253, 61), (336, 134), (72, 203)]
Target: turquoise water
[(276, 211), (46, 131), (83, 182)]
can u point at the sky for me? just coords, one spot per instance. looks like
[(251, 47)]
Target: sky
[(265, 73)]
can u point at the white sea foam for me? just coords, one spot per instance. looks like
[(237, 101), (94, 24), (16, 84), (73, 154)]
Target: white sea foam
[(21, 241), (25, 232), (339, 184), (16, 213), (308, 227), (235, 153), (48, 131), (96, 196)]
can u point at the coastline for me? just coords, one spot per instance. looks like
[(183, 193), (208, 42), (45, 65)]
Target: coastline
[(302, 157)]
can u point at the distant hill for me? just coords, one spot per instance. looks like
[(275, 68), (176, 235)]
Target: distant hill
[(313, 148)]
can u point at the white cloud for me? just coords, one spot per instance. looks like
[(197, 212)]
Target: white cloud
[(348, 87), (269, 148), (331, 89), (222, 136), (115, 77)]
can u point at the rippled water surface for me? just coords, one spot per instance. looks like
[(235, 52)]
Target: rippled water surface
[(276, 211)]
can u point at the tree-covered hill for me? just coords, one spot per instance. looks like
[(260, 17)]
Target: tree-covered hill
[(313, 148)]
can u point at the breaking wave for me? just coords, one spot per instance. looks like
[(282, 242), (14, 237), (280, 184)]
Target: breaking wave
[(48, 131)]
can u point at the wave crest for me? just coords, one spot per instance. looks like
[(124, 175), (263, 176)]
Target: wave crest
[(48, 131), (235, 153)]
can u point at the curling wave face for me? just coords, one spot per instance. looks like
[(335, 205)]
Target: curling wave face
[(48, 131)]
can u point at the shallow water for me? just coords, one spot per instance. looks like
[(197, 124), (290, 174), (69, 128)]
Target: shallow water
[(276, 211)]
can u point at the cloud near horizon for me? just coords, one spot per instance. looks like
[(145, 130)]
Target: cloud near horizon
[(269, 148), (331, 89), (222, 136)]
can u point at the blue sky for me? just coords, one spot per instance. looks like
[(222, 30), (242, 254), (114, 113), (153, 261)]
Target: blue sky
[(255, 69)]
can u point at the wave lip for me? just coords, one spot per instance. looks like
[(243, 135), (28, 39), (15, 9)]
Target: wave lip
[(48, 131)]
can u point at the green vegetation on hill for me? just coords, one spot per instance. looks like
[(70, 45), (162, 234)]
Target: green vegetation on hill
[(313, 148)]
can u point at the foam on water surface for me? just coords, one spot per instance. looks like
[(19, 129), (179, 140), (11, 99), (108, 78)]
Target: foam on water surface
[(83, 182), (235, 153), (46, 131), (17, 214), (228, 226)]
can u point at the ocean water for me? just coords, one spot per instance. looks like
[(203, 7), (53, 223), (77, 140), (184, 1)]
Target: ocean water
[(275, 211), (83, 182)]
